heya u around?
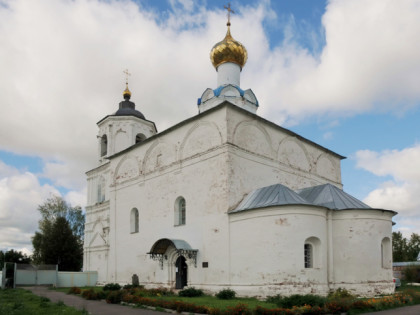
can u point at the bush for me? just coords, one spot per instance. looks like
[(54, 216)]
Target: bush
[(226, 294), (297, 300), (114, 297), (74, 290), (240, 309), (132, 286), (111, 287), (340, 294), (157, 292), (411, 273), (91, 294), (191, 292)]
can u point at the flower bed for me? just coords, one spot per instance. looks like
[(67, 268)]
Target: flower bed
[(334, 304)]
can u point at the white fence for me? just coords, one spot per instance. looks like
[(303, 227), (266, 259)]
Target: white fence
[(26, 275)]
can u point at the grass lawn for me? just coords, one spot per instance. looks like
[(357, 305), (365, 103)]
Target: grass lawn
[(23, 302)]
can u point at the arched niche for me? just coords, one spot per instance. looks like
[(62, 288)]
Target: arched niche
[(292, 152), (160, 154), (200, 138), (252, 137), (126, 169)]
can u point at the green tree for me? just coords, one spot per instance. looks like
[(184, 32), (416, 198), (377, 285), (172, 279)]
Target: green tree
[(14, 257), (60, 236), (404, 250), (399, 247)]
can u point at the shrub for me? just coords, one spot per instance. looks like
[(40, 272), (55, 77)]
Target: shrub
[(91, 294), (411, 273), (338, 305), (133, 286), (226, 294), (340, 294), (157, 292), (240, 309), (297, 300), (114, 297), (191, 292), (111, 287), (74, 290)]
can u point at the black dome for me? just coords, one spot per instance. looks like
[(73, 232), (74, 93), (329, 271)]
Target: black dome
[(128, 108)]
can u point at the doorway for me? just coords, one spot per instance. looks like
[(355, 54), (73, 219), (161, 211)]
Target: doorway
[(181, 271)]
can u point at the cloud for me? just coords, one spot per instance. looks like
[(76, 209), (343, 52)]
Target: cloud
[(20, 195), (400, 193)]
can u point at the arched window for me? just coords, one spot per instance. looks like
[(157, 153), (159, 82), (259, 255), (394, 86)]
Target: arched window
[(309, 255), (386, 256), (104, 145), (140, 137), (101, 190), (180, 211), (311, 252), (134, 221)]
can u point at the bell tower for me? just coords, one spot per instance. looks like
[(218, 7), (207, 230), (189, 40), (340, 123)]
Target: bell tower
[(126, 127)]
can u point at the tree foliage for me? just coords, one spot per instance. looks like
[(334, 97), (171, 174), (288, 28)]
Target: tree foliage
[(60, 236), (13, 256), (405, 250)]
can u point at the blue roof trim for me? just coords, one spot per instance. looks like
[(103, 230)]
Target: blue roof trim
[(220, 88)]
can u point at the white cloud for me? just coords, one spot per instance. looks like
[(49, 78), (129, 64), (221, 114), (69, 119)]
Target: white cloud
[(20, 195), (400, 193), (62, 65)]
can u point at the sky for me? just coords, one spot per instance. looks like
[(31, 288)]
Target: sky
[(342, 73)]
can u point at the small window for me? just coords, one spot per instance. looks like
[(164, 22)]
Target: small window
[(180, 211), (104, 145), (140, 137), (308, 250), (311, 253), (101, 190), (134, 221)]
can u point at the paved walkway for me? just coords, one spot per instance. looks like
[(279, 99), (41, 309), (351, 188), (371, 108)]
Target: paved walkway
[(93, 307), (407, 310)]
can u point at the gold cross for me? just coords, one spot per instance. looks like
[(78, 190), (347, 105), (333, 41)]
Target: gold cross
[(126, 76), (229, 12)]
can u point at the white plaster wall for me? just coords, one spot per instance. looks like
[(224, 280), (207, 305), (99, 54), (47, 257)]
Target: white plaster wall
[(121, 132), (229, 73), (267, 250), (357, 238)]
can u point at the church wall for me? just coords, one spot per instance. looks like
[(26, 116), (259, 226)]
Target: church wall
[(358, 261), (267, 253), (96, 242), (262, 155), (189, 162)]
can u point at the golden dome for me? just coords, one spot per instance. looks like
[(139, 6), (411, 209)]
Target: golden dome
[(126, 93), (228, 50)]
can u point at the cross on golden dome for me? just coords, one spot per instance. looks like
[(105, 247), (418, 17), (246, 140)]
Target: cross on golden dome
[(228, 8), (126, 93), (228, 50)]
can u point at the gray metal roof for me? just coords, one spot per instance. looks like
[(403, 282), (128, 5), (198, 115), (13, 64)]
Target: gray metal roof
[(332, 197), (274, 195), (160, 246)]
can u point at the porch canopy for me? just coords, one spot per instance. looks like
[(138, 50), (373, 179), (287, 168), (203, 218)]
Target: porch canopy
[(182, 248)]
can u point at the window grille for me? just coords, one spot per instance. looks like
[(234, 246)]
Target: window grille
[(308, 256)]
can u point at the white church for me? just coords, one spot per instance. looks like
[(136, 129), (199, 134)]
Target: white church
[(228, 199)]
